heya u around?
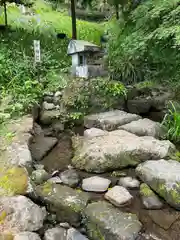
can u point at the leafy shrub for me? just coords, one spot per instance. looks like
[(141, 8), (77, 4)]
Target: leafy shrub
[(145, 46), (172, 123), (83, 96)]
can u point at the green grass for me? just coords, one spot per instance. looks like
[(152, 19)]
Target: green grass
[(18, 75), (172, 123)]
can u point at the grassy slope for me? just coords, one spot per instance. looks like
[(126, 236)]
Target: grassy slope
[(17, 74)]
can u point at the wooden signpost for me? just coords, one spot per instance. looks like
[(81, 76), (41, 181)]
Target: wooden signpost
[(37, 57)]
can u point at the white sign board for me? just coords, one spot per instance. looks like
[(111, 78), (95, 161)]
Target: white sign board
[(37, 51)]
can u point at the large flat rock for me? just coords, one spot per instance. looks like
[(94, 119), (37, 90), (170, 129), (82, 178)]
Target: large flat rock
[(144, 127), (117, 149), (109, 120), (164, 178), (64, 201), (103, 221)]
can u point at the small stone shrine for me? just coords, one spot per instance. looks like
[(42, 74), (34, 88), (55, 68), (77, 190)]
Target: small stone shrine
[(86, 59)]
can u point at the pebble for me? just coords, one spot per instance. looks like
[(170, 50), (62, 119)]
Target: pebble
[(95, 184), (129, 182), (119, 196)]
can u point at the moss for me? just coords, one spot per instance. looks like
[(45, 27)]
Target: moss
[(3, 215), (176, 156), (47, 188), (118, 174), (13, 181), (145, 190), (6, 236), (145, 84), (171, 195), (94, 232)]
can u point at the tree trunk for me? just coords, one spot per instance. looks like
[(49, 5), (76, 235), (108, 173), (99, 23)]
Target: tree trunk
[(117, 11), (5, 13), (73, 16)]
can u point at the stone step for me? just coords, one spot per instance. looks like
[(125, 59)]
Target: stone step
[(116, 150), (144, 127), (109, 120)]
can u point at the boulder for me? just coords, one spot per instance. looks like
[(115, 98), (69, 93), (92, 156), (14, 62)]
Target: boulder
[(70, 177), (39, 176), (20, 214), (64, 201), (73, 234), (117, 150), (109, 120), (119, 196), (94, 132), (14, 145), (26, 236), (95, 184), (129, 182), (103, 221), (144, 127), (57, 233), (47, 117), (41, 145), (13, 181), (139, 105), (163, 177), (149, 199)]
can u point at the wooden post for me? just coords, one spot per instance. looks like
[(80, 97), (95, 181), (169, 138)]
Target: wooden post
[(73, 17), (5, 13)]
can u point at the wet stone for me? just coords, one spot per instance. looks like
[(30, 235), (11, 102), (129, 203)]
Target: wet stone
[(41, 145)]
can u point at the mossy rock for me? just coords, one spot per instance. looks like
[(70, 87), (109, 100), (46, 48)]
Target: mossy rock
[(13, 181), (67, 203), (163, 177), (146, 191), (6, 236)]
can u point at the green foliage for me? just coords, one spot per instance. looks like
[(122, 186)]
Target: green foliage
[(176, 157), (19, 77), (146, 43), (82, 96), (172, 123)]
